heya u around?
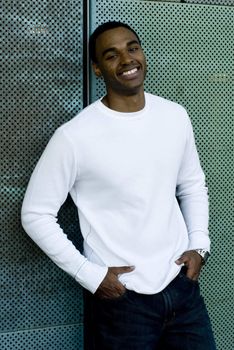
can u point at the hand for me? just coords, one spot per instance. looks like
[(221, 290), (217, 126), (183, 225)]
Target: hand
[(193, 262), (111, 287)]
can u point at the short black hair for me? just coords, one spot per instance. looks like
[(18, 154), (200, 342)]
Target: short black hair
[(101, 29)]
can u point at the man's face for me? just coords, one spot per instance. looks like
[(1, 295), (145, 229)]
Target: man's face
[(121, 61)]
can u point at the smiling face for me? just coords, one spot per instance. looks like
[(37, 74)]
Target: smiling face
[(121, 61)]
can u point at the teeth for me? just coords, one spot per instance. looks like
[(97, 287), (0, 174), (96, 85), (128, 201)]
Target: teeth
[(132, 71)]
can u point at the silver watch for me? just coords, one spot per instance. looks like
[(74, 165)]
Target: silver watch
[(204, 255)]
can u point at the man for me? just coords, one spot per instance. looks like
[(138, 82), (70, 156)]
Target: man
[(130, 164)]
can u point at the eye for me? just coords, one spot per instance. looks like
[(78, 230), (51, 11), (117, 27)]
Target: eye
[(111, 57), (133, 49)]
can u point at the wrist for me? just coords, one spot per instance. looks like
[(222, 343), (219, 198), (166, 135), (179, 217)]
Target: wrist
[(204, 254)]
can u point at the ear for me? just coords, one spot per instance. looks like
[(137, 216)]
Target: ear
[(96, 70)]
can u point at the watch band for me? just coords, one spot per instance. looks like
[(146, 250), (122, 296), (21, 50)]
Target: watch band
[(204, 255)]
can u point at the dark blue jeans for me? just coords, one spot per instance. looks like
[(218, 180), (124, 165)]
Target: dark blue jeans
[(174, 319)]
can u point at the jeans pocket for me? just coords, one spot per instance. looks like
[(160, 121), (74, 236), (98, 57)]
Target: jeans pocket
[(114, 300), (183, 275), (187, 279)]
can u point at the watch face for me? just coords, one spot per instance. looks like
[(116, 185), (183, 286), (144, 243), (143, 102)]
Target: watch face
[(204, 254), (205, 257)]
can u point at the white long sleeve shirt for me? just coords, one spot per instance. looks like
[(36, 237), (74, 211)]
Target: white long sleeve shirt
[(139, 189)]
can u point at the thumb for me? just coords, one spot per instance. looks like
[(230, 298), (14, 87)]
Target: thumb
[(121, 269), (181, 260)]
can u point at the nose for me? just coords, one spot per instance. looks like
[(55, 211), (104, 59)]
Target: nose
[(125, 58)]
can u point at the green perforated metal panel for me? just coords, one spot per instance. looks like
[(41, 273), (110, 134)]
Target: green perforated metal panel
[(41, 307), (190, 60), (210, 2)]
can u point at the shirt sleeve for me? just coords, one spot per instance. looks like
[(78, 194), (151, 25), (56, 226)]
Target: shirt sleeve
[(50, 183), (192, 195)]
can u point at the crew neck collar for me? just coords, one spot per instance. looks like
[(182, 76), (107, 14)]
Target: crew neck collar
[(123, 115)]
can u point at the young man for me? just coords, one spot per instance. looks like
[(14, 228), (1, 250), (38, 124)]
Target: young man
[(130, 163)]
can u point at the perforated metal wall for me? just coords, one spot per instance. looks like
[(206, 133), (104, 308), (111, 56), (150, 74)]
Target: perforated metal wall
[(210, 2), (41, 307), (190, 60)]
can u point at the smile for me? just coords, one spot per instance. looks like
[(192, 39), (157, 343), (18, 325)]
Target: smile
[(130, 72)]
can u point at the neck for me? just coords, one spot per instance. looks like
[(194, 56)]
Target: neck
[(127, 103)]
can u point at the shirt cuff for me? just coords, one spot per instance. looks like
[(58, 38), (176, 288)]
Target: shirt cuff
[(91, 275), (199, 240)]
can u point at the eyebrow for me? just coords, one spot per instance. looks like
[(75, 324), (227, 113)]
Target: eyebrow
[(114, 48)]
